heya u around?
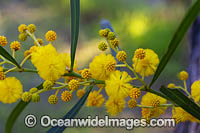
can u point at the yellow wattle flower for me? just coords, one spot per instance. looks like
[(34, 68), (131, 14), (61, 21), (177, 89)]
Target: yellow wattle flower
[(98, 67), (195, 90), (148, 65), (11, 90), (150, 99), (95, 99), (181, 115), (49, 63), (118, 84), (115, 105)]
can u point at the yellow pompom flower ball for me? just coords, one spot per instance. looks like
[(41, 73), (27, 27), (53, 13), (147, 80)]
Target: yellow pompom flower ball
[(181, 115), (80, 93), (49, 63), (150, 99), (33, 49), (40, 41), (23, 36), (110, 66), (111, 36), (121, 56), (22, 28), (101, 66), (95, 99), (73, 84), (33, 90), (47, 85), (135, 93), (27, 53), (132, 103), (195, 90), (35, 98), (26, 96), (115, 105), (114, 42), (183, 75), (171, 85), (66, 96), (31, 28), (102, 46), (15, 45), (2, 75), (104, 32), (148, 65), (139, 53), (86, 74), (3, 41), (53, 99), (118, 84), (11, 90), (51, 36)]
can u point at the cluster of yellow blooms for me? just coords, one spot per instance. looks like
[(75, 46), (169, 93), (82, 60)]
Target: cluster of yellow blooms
[(52, 65), (178, 113)]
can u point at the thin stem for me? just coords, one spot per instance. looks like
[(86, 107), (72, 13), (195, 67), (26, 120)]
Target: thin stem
[(57, 91), (100, 89), (161, 105), (9, 70), (184, 89), (59, 83), (25, 59), (129, 67), (120, 65), (40, 91), (3, 62), (33, 37), (60, 87), (13, 53), (21, 70)]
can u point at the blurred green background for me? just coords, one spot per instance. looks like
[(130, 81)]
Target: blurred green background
[(137, 23)]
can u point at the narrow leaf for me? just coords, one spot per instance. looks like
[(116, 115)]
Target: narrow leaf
[(187, 21), (179, 98), (7, 56), (16, 112), (72, 113), (75, 18)]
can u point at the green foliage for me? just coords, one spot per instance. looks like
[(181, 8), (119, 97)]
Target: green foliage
[(16, 112), (75, 18), (72, 113), (179, 98), (187, 21), (7, 56)]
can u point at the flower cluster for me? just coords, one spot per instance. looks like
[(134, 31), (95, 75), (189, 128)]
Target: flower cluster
[(178, 113), (103, 73)]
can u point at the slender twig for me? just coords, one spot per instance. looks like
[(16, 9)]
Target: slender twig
[(33, 37), (161, 105)]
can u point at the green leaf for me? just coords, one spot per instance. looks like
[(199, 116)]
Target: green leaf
[(187, 21), (75, 18), (72, 113), (16, 112), (179, 98), (7, 56)]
